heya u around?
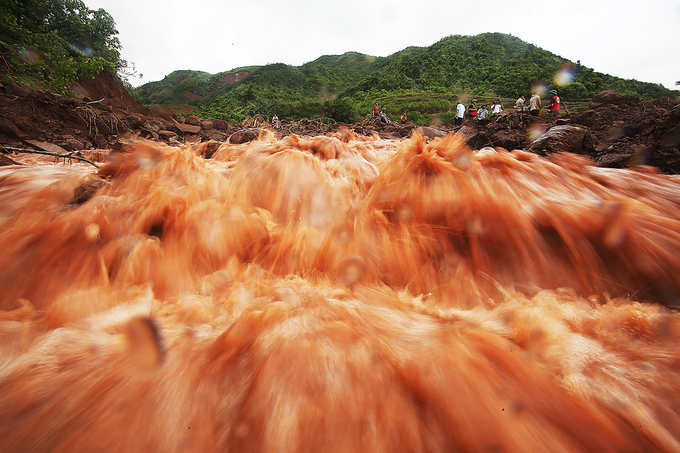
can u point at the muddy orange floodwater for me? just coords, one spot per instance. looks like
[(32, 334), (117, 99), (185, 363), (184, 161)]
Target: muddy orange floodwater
[(338, 294)]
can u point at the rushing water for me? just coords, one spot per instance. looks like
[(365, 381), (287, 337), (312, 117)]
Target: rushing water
[(338, 294)]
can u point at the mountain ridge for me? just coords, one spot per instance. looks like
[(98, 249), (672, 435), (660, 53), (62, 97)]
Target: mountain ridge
[(488, 65)]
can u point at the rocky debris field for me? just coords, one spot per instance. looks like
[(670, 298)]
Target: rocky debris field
[(616, 131)]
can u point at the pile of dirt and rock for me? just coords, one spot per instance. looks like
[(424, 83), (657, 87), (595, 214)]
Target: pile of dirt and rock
[(616, 131), (98, 119)]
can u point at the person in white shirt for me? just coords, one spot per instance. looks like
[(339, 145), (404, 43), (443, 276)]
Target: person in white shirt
[(535, 104), (460, 113), (496, 108)]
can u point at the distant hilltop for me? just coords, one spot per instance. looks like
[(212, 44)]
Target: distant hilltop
[(421, 81)]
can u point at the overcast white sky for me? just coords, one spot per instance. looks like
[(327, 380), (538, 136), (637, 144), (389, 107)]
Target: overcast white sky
[(632, 39)]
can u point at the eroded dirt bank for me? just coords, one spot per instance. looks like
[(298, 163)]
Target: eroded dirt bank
[(615, 131)]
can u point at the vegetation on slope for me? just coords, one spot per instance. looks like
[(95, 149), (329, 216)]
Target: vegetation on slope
[(423, 82), (51, 43)]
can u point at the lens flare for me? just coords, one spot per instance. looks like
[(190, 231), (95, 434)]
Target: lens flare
[(563, 77), (81, 49), (541, 89), (29, 56), (535, 131)]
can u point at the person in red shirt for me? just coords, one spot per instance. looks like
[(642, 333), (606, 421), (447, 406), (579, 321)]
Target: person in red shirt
[(376, 110), (472, 110), (403, 118), (554, 106)]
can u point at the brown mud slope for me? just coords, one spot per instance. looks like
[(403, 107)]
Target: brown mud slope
[(616, 131), (340, 294)]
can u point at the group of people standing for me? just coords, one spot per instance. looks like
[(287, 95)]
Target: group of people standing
[(534, 106), (473, 112), (380, 114), (383, 115)]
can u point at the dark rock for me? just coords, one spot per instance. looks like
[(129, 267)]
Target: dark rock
[(4, 161), (220, 124), (505, 139), (614, 160), (431, 133), (188, 128), (74, 145), (16, 90), (45, 146), (216, 136), (9, 129), (563, 139), (193, 120), (208, 148), (603, 98), (134, 121), (87, 190), (151, 125), (469, 133), (166, 135), (244, 136)]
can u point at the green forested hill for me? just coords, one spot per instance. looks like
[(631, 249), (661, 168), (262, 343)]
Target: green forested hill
[(493, 64), (292, 91), (421, 81)]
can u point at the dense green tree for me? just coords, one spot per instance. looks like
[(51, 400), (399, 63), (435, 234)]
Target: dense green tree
[(53, 42), (574, 92)]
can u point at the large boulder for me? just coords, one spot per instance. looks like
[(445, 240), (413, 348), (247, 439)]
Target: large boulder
[(431, 133), (220, 124), (469, 133), (193, 120), (244, 136), (188, 128), (563, 139), (216, 136), (507, 130)]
